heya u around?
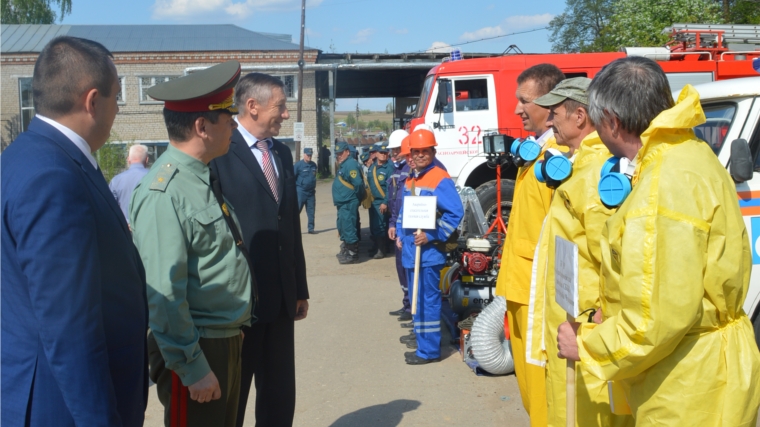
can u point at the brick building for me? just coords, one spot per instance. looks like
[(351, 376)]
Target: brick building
[(148, 54)]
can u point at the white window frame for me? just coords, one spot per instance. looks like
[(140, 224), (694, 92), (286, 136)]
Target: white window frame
[(153, 77), (21, 103), (294, 96), (123, 90)]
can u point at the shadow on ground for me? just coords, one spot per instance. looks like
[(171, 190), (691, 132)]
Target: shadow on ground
[(387, 415)]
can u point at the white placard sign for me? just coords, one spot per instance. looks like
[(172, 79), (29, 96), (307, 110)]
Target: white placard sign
[(566, 275), (419, 212), (298, 131)]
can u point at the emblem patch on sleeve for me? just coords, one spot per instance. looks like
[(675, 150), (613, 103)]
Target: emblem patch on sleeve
[(353, 174)]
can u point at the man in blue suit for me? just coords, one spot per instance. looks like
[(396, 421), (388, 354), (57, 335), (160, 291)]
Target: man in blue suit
[(74, 312)]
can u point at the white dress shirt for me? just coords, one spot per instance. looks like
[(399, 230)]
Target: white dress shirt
[(80, 143), (251, 141), (541, 140)]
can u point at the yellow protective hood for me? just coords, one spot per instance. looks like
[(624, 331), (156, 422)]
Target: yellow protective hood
[(672, 126)]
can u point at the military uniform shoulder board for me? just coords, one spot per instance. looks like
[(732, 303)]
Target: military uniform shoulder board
[(163, 176)]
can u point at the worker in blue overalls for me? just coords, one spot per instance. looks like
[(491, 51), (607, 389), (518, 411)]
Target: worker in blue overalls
[(306, 185), (378, 175), (427, 179)]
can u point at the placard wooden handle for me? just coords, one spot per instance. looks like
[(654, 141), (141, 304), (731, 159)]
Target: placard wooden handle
[(416, 276)]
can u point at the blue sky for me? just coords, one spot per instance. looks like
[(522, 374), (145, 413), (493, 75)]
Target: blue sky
[(347, 26)]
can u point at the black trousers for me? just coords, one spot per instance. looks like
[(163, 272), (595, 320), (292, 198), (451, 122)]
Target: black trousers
[(269, 358)]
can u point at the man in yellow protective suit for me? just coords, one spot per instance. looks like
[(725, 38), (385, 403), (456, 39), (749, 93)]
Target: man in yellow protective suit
[(530, 204), (576, 214), (675, 264)]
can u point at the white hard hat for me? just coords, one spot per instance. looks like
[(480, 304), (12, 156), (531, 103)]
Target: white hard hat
[(398, 135), (423, 126)]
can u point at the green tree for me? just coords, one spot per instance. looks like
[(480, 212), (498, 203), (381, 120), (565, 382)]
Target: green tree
[(608, 25), (640, 22), (350, 120), (581, 27), (324, 120), (32, 11), (365, 112), (389, 108), (741, 11)]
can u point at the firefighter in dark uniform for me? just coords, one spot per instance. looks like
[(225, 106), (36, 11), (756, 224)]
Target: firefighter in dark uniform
[(306, 185), (377, 177), (347, 191)]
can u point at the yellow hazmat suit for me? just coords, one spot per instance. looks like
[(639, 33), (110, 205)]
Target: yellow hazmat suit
[(675, 270), (576, 214), (530, 203)]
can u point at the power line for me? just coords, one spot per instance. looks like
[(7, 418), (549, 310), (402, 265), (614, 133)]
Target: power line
[(489, 38)]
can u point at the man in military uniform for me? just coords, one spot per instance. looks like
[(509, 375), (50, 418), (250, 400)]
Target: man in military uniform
[(199, 282), (355, 155), (306, 185), (377, 177), (365, 162), (347, 191)]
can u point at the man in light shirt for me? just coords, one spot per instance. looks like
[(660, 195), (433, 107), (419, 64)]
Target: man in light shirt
[(123, 184)]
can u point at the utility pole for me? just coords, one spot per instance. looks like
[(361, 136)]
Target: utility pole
[(300, 76), (359, 131)]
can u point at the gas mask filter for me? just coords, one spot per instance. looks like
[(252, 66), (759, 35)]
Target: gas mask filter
[(524, 150), (615, 182), (553, 169)]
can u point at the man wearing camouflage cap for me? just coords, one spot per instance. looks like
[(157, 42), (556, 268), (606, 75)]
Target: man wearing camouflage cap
[(576, 214), (199, 281)]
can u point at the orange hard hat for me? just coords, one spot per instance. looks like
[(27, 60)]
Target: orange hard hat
[(421, 138), (405, 151)]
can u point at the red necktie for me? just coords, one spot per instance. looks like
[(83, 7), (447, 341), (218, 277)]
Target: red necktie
[(267, 166)]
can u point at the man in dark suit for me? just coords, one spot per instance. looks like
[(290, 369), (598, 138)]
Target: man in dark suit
[(74, 311), (257, 178)]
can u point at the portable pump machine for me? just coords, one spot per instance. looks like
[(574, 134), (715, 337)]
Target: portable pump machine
[(473, 285)]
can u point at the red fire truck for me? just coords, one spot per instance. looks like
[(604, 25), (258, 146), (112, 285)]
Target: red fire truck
[(479, 94)]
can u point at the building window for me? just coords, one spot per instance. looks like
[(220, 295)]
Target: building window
[(291, 90), (25, 101), (147, 82), (121, 97)]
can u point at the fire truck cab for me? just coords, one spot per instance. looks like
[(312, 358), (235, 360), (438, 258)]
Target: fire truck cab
[(466, 99)]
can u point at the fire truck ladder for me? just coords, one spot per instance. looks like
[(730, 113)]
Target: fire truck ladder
[(715, 39)]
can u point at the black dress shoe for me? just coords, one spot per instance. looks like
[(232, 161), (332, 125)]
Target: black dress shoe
[(406, 338), (417, 360), (398, 312), (407, 325), (408, 354), (312, 232), (412, 343), (405, 317)]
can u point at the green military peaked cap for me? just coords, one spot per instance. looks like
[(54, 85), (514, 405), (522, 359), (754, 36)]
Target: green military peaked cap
[(211, 89)]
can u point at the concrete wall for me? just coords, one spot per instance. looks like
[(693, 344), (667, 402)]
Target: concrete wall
[(143, 121)]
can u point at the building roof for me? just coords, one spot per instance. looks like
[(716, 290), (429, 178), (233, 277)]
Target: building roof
[(146, 38)]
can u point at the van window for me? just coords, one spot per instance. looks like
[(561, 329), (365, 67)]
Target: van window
[(471, 95), (715, 129), (419, 111)]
